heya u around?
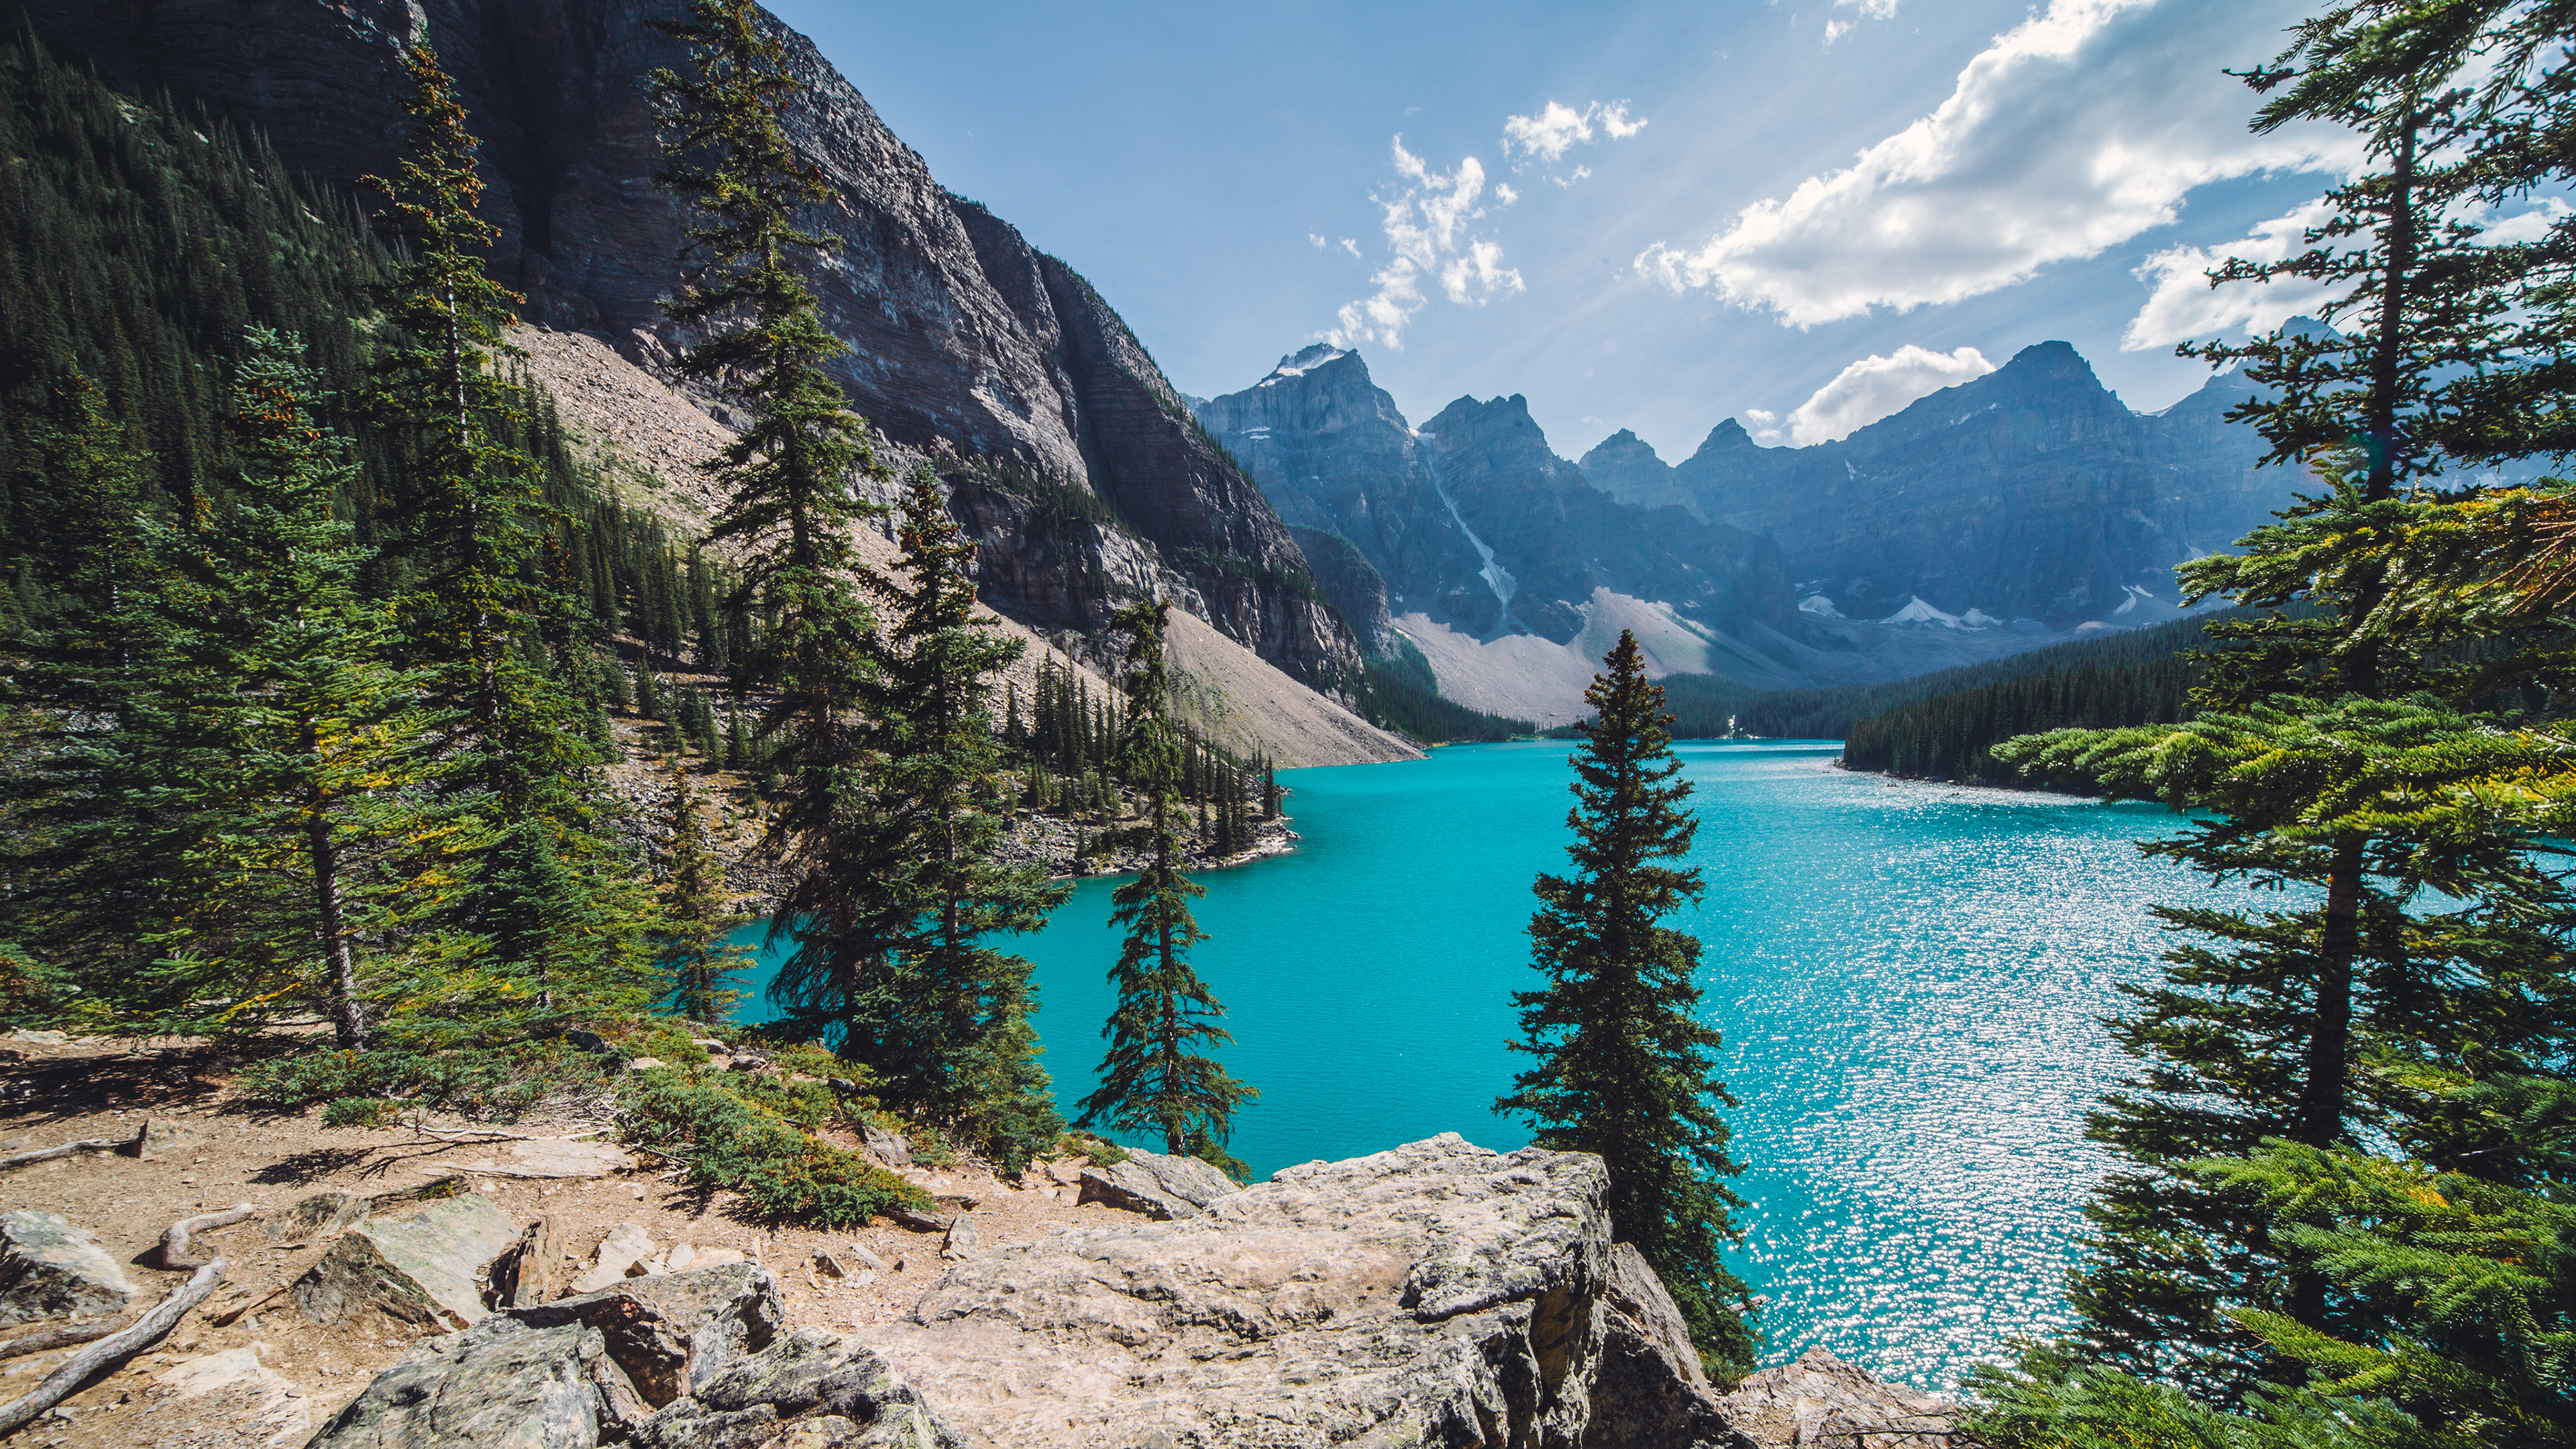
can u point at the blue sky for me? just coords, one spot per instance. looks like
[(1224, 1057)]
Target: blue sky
[(1652, 216)]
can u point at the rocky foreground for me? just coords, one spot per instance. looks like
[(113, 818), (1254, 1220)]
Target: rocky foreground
[(1436, 1294)]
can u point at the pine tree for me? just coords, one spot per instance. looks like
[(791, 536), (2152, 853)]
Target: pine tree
[(244, 776), (698, 968), (1155, 1076), (515, 777), (1626, 1068), (946, 1026), (2362, 1017), (788, 479)]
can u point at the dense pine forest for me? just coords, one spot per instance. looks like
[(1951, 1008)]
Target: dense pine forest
[(1951, 736), (343, 690)]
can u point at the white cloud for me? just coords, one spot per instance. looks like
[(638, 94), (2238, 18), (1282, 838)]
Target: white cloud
[(1426, 221), (1835, 30), (2530, 226), (1548, 134), (1874, 9), (2181, 304), (1504, 194), (1318, 241), (2074, 131), (1351, 245), (1558, 128), (1766, 425), (1566, 182), (1874, 387)]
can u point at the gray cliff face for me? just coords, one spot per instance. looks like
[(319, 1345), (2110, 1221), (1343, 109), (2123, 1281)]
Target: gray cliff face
[(965, 343), (1335, 455), (2031, 492)]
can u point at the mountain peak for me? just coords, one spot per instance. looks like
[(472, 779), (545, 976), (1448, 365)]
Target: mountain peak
[(1307, 359), (1727, 437)]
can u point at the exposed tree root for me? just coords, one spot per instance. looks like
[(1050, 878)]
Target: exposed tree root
[(114, 1349)]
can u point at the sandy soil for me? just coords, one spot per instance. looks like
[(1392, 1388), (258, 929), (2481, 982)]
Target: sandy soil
[(235, 1155)]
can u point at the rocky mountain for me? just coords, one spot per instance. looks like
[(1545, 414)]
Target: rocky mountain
[(1472, 521), (1512, 569), (1072, 458), (2029, 493)]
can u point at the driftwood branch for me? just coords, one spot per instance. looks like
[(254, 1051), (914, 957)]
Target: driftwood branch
[(116, 1348), (48, 1154), (63, 1337), (174, 1243)]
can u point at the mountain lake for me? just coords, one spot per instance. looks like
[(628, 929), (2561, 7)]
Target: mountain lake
[(1909, 976)]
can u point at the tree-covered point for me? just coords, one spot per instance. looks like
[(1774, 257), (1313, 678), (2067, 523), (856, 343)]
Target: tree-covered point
[(1952, 736)]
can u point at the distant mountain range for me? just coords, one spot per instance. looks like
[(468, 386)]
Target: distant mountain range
[(2018, 510)]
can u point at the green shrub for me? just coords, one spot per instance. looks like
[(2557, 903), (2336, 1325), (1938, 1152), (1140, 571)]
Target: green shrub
[(479, 1082), (751, 1133), (1097, 1151), (361, 1112)]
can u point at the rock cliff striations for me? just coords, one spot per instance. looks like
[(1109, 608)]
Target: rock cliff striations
[(1071, 456)]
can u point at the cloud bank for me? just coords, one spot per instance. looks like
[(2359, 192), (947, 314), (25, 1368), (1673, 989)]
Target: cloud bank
[(1875, 387), (2074, 131), (1425, 220)]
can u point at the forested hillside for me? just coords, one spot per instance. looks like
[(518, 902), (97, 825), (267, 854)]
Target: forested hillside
[(1952, 736), (339, 690)]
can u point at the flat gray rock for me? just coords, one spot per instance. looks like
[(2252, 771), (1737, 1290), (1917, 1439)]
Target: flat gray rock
[(1430, 1295), (425, 1269), (554, 1158), (516, 1389), (1820, 1399), (50, 1269), (1161, 1187)]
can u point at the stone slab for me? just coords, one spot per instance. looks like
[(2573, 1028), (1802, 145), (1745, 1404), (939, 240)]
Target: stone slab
[(425, 1269), (51, 1269)]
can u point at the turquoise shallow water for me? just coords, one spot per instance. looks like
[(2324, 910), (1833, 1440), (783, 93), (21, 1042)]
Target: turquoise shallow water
[(1908, 977)]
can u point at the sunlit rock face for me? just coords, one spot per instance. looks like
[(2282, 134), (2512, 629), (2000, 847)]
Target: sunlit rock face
[(1076, 461), (2030, 493)]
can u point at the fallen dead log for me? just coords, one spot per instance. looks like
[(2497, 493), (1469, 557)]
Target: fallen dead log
[(63, 1337), (116, 1348), (48, 1154), (174, 1243)]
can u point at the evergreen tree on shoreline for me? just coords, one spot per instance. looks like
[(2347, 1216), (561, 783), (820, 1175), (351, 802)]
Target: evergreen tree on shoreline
[(948, 1034), (1155, 1076), (789, 482), (1626, 1068)]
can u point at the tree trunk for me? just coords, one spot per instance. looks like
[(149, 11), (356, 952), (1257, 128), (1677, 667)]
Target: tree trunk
[(339, 966)]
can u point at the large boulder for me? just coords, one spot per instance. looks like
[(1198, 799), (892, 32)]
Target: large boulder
[(686, 1361), (1161, 1187), (1437, 1294), (1821, 1400), (425, 1270), (502, 1385), (51, 1269)]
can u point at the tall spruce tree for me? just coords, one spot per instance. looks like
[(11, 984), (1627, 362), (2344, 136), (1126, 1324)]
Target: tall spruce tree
[(948, 1032), (2359, 1012), (260, 754), (1626, 1068), (789, 480), (1156, 1075), (541, 888)]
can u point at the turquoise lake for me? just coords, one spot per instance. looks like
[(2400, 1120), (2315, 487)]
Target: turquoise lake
[(1909, 977)]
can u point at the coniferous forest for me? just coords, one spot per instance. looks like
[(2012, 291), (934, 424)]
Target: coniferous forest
[(324, 641)]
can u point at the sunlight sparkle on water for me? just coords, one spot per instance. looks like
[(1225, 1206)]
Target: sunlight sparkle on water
[(1909, 978)]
